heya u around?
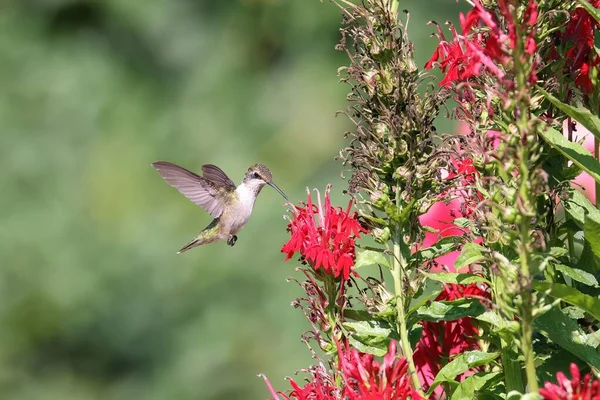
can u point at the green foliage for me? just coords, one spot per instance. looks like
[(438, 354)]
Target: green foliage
[(459, 365), (450, 310), (567, 334), (572, 150), (582, 115), (371, 257)]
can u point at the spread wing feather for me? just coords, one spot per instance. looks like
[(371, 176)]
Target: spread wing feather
[(216, 175), (200, 190)]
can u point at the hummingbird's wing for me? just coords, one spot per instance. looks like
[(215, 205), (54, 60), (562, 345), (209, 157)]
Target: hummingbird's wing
[(216, 174), (200, 190)]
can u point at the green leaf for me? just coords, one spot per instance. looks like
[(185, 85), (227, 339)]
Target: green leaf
[(473, 384), (573, 312), (372, 336), (573, 151), (591, 230), (578, 207), (455, 278), (462, 222), (459, 365), (450, 310), (441, 247), (580, 114), (357, 315), (470, 253), (371, 257), (567, 333), (558, 252), (590, 9), (429, 291), (377, 349), (369, 328), (491, 318), (587, 303), (578, 275)]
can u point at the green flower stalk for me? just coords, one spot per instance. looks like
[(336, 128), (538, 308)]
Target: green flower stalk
[(394, 164)]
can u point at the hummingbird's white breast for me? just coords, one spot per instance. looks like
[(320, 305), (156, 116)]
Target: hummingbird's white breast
[(242, 210)]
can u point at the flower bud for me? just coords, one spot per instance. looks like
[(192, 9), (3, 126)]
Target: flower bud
[(381, 235)]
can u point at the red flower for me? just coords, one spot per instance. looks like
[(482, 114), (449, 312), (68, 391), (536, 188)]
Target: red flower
[(366, 379), (574, 389), (465, 174), (320, 386), (455, 58), (468, 56), (327, 242), (578, 37), (442, 340)]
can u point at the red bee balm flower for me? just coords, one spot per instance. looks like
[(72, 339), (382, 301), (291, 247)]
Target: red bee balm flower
[(443, 340), (579, 35), (367, 379), (324, 236), (573, 389), (320, 386)]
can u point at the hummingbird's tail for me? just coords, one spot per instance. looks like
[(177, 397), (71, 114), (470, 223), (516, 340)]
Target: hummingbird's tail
[(208, 235)]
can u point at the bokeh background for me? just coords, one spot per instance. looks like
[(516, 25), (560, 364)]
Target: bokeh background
[(94, 302)]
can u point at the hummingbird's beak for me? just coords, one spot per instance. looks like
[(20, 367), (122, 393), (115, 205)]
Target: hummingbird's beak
[(274, 186)]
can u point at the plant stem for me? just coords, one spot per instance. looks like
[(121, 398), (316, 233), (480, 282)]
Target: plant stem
[(597, 156), (399, 273), (400, 264), (526, 207)]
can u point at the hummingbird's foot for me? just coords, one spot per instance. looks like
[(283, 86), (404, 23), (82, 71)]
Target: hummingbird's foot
[(232, 239)]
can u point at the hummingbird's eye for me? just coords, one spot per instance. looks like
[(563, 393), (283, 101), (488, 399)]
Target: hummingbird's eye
[(255, 175)]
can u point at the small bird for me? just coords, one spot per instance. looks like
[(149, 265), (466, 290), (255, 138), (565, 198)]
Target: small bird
[(229, 205)]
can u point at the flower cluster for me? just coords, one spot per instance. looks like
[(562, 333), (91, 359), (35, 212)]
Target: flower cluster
[(362, 378), (477, 50), (572, 389), (366, 379), (320, 386), (442, 340), (324, 236), (581, 57), (479, 205)]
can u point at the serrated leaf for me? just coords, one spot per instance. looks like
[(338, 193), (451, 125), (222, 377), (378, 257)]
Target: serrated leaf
[(371, 257), (578, 275), (456, 278), (573, 151), (473, 384), (591, 230), (470, 254), (440, 248), (589, 304), (369, 328), (590, 9), (566, 333), (450, 310), (459, 365), (580, 114), (578, 207)]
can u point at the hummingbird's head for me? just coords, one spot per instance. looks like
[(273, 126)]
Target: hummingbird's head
[(258, 176)]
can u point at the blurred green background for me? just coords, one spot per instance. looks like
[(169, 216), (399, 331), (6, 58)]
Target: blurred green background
[(95, 304)]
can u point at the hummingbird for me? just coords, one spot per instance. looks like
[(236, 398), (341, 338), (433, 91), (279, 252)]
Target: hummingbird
[(229, 205)]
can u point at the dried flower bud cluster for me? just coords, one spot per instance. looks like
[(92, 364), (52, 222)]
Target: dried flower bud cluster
[(391, 152)]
